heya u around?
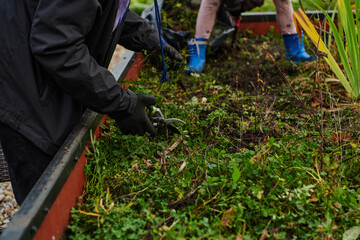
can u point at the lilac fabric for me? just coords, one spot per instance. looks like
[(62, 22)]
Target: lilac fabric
[(123, 5)]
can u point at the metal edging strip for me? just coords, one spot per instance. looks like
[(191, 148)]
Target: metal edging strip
[(29, 218), (271, 16)]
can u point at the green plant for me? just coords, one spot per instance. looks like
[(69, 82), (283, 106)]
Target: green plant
[(139, 6), (347, 39)]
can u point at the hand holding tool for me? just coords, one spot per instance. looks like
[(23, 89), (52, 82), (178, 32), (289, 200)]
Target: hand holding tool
[(160, 123)]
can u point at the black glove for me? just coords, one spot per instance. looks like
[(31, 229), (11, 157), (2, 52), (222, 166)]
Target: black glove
[(170, 51), (173, 53), (138, 122)]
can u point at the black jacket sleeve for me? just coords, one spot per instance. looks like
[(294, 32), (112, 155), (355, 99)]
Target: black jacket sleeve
[(57, 41), (138, 34)]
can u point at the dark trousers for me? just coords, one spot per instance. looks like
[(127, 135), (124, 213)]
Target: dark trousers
[(26, 161)]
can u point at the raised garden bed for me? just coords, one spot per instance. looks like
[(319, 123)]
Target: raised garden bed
[(254, 161), (249, 163)]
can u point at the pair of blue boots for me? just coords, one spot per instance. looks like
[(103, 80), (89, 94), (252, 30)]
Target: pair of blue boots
[(295, 51)]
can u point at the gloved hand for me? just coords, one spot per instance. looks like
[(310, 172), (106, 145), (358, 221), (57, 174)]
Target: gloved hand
[(138, 122), (170, 51)]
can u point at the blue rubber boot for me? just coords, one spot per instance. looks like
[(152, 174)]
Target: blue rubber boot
[(295, 50), (197, 53)]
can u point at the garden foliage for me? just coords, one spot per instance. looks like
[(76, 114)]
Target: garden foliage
[(248, 164), (243, 168)]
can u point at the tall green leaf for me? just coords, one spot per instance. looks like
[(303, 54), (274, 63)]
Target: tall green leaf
[(309, 28), (347, 39)]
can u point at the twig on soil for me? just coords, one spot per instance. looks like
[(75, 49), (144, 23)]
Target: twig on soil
[(187, 196), (157, 226), (166, 151), (292, 88), (212, 199), (183, 165), (351, 157), (178, 141), (133, 193), (160, 224), (334, 109), (268, 110)]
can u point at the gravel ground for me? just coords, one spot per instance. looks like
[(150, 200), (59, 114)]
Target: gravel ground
[(8, 205)]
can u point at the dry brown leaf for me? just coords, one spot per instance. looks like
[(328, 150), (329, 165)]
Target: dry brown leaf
[(340, 137), (357, 107), (151, 202), (264, 234), (227, 217), (314, 199), (337, 205), (148, 163), (137, 168), (315, 103), (239, 237), (183, 165), (334, 109)]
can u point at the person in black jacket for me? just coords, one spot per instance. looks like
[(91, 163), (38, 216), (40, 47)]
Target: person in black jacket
[(53, 65)]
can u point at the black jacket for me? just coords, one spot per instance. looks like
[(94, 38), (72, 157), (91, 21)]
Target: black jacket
[(53, 59)]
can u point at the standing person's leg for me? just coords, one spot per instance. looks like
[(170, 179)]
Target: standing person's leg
[(206, 18), (295, 50), (204, 25), (284, 16), (26, 162)]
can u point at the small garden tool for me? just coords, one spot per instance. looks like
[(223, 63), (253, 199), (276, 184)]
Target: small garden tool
[(160, 123)]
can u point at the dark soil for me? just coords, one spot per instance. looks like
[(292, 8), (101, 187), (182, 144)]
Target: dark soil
[(265, 97), (246, 66)]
